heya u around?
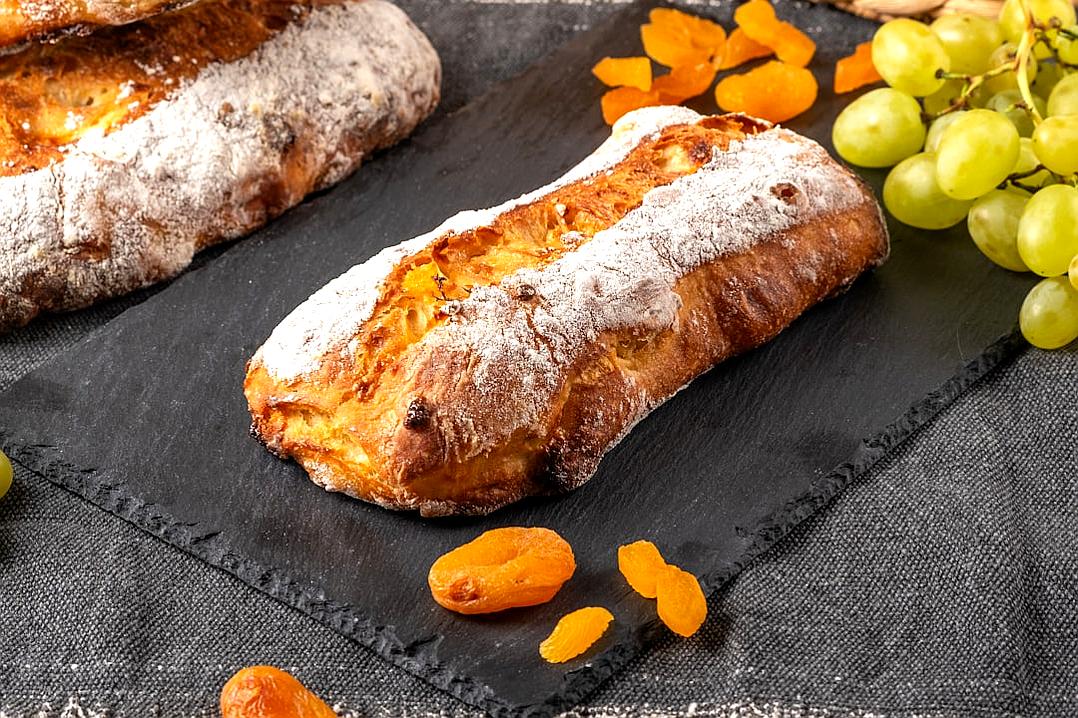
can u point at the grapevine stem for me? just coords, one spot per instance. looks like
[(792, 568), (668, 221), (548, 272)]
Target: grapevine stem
[(1024, 47)]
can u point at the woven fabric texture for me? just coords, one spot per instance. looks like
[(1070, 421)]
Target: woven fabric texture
[(942, 583)]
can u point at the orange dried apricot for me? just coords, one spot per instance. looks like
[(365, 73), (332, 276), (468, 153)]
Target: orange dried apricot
[(575, 633), (681, 602), (774, 91), (856, 70), (740, 48), (683, 82), (671, 47), (703, 33), (268, 692), (621, 100), (501, 569), (757, 18), (640, 563), (624, 71)]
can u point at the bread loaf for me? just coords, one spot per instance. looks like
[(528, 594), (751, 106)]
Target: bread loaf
[(125, 152), (24, 21), (502, 354)]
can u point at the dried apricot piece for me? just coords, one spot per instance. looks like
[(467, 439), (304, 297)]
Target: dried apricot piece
[(640, 563), (501, 569), (774, 91), (856, 70), (671, 47), (622, 100), (624, 72), (268, 692), (703, 33), (757, 18), (740, 48), (683, 82), (681, 602), (575, 633)]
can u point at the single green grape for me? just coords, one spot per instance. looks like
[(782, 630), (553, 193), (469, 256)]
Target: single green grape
[(1011, 105), (1056, 143), (935, 130), (1048, 76), (879, 129), (1072, 272), (913, 196), (908, 55), (976, 152), (1004, 55), (1049, 314), (969, 41), (1012, 20), (1064, 97), (1027, 162), (1047, 240), (993, 224), (6, 474), (1066, 45)]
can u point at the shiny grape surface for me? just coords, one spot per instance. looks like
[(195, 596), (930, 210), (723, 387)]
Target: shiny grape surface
[(879, 129), (976, 152), (969, 41), (1047, 236), (993, 224), (1056, 143), (935, 132), (1049, 314), (908, 55), (912, 194), (1064, 97)]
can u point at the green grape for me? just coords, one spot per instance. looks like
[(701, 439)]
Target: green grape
[(879, 129), (935, 130), (6, 474), (1047, 240), (1064, 97), (1048, 76), (1072, 272), (969, 40), (1011, 105), (944, 97), (976, 152), (1005, 54), (1067, 45), (1049, 314), (1056, 143), (913, 196), (1012, 20), (907, 55), (1027, 161), (993, 224)]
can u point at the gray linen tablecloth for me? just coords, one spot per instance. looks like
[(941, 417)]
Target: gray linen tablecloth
[(945, 582)]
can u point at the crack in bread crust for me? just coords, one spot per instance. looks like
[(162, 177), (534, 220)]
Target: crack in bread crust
[(244, 138), (523, 396)]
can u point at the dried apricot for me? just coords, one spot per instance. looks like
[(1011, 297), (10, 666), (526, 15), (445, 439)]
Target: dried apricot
[(575, 633), (268, 692), (681, 602), (856, 70), (757, 18), (624, 71), (640, 563), (671, 47), (740, 48), (774, 91), (702, 33), (683, 82), (501, 569), (622, 100)]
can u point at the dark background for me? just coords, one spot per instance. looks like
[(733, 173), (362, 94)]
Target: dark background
[(945, 581)]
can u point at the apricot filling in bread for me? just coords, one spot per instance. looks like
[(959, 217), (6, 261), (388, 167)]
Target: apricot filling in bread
[(52, 95)]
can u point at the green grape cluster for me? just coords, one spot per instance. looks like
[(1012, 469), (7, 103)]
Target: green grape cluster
[(979, 123)]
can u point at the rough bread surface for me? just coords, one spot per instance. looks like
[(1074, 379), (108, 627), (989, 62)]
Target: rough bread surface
[(234, 146)]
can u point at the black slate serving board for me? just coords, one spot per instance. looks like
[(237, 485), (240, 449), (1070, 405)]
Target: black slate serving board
[(147, 418)]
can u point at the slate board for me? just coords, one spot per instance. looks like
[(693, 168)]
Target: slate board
[(147, 418)]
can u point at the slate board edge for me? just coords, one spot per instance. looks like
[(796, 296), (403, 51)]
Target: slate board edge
[(45, 461)]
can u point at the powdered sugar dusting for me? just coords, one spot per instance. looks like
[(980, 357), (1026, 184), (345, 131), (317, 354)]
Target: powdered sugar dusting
[(334, 314), (623, 280), (130, 207)]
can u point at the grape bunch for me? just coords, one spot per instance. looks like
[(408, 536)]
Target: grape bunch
[(979, 122)]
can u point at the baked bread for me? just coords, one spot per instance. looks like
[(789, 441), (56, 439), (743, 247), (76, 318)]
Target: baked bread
[(23, 21), (502, 354), (124, 152)]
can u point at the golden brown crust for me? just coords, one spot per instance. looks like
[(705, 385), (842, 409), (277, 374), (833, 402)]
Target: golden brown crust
[(526, 384)]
